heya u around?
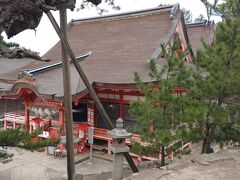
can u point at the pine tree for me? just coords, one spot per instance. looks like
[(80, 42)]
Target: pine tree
[(187, 16), (165, 117), (220, 88), (200, 19), (95, 3), (7, 44)]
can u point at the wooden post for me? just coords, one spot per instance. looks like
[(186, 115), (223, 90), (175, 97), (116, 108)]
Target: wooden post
[(67, 98), (5, 124), (14, 125), (87, 84), (61, 120), (121, 105), (26, 114), (109, 146), (31, 128)]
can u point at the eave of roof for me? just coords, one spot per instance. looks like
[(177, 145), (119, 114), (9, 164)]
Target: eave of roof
[(206, 23), (164, 24), (200, 31), (124, 15)]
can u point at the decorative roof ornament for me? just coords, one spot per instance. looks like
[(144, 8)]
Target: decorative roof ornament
[(25, 75), (18, 53), (174, 10)]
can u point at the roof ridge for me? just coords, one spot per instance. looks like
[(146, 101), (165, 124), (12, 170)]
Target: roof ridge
[(126, 14), (204, 23)]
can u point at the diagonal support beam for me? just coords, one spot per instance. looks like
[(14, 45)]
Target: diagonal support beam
[(87, 84)]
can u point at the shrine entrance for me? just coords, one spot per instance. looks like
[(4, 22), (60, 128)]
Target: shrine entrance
[(79, 112)]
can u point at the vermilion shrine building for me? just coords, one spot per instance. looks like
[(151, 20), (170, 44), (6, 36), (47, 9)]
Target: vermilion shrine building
[(31, 91)]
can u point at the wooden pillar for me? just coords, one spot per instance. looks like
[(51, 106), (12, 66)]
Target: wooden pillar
[(26, 114), (5, 124), (121, 114), (90, 89), (61, 120), (67, 97), (109, 146), (30, 128), (14, 125)]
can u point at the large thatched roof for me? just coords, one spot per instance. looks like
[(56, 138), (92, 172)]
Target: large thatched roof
[(121, 44)]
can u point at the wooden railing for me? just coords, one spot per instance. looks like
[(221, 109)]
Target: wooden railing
[(100, 133), (15, 117)]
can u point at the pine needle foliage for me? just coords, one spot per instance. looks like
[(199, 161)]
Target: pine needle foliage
[(220, 89), (165, 117)]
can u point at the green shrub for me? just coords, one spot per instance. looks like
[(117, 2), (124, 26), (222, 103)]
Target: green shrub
[(13, 137), (151, 150), (38, 145), (5, 155), (20, 138), (136, 148)]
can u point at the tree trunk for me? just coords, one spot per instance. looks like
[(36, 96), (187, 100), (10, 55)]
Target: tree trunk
[(163, 156), (17, 16), (206, 146)]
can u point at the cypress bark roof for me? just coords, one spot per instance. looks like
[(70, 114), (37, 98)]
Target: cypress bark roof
[(198, 31), (121, 45)]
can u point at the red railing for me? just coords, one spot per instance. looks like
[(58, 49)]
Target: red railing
[(14, 117), (100, 133)]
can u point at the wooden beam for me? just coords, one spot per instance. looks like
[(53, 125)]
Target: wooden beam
[(88, 85), (67, 98)]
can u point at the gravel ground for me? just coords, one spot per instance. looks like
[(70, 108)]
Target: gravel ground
[(220, 169), (27, 165)]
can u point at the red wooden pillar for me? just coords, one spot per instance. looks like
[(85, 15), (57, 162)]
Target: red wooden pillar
[(61, 120), (5, 124), (121, 114), (26, 114)]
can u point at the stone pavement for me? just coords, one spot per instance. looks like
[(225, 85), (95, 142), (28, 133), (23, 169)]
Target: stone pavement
[(27, 165)]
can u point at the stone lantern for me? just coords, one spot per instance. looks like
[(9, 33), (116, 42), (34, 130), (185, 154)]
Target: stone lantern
[(119, 147)]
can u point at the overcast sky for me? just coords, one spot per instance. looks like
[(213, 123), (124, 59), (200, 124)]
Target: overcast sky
[(45, 37)]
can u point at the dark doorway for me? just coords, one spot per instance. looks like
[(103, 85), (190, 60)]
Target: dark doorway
[(79, 112), (112, 110)]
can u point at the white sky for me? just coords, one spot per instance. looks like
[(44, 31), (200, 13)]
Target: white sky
[(45, 37)]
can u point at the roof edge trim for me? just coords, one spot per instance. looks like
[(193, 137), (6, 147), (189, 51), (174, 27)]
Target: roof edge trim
[(126, 14), (174, 10), (205, 23), (175, 18)]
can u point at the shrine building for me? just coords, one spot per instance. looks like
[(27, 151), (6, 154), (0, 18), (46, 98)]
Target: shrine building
[(109, 49)]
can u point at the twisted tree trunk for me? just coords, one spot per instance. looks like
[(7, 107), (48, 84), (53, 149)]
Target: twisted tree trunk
[(19, 15), (163, 156), (206, 146)]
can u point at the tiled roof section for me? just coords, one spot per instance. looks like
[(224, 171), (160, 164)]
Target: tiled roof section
[(121, 45), (9, 68), (5, 86), (198, 31)]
